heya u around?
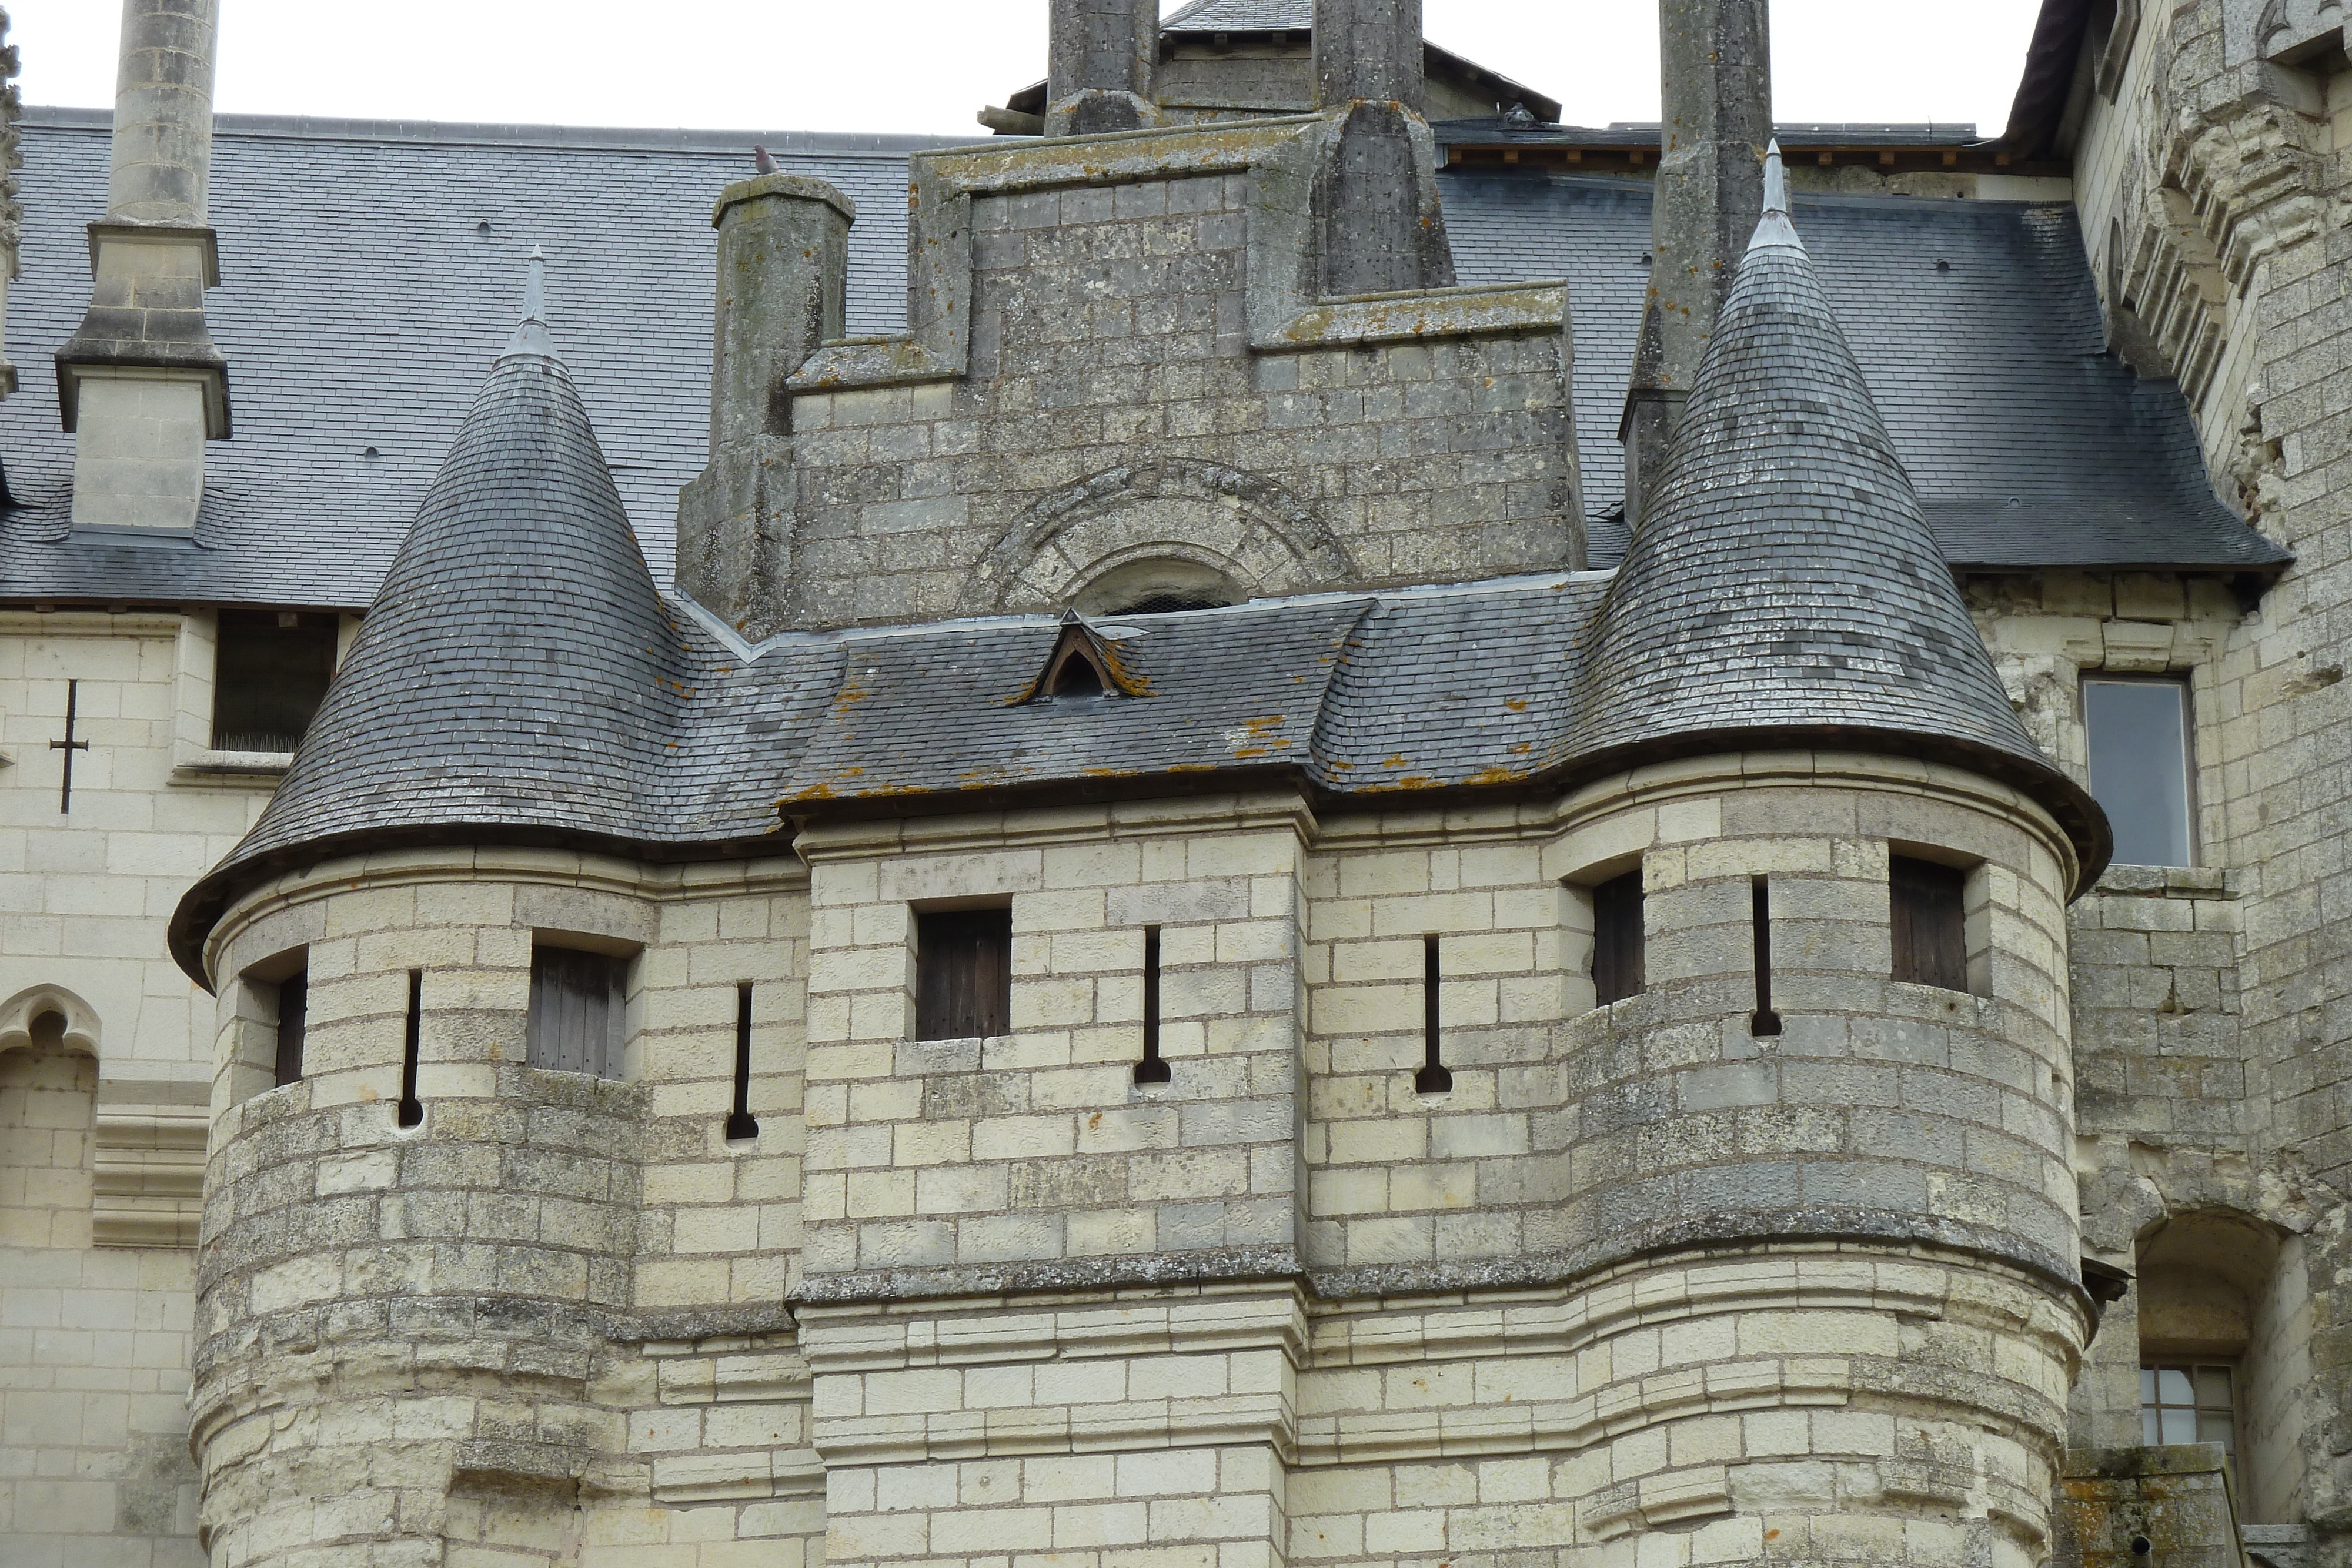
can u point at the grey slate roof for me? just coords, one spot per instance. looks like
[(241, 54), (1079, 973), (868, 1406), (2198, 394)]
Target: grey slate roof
[(361, 295), (1782, 581)]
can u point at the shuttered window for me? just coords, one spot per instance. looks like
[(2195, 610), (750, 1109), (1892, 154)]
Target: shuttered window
[(293, 1012), (1930, 911), (1617, 938), (575, 1011), (963, 974)]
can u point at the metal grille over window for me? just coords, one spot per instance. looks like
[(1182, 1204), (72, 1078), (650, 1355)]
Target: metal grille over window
[(575, 1011), (2139, 733), (1617, 938), (2188, 1404), (963, 974), (271, 671), (293, 1008), (1929, 906)]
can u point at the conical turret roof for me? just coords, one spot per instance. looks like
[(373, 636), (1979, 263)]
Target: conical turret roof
[(1783, 588), (517, 672)]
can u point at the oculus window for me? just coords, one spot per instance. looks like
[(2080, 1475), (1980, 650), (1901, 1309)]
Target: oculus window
[(271, 671), (963, 974), (2139, 733), (575, 1011)]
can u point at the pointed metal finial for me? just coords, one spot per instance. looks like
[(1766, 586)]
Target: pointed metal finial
[(531, 334), (1774, 227)]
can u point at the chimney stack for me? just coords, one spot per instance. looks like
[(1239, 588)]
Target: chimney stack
[(1716, 68), (1382, 229), (141, 385), (783, 279), (1099, 64)]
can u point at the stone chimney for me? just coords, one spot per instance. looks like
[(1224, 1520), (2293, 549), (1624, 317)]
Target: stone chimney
[(1381, 226), (1715, 66), (1099, 65), (141, 385), (784, 278)]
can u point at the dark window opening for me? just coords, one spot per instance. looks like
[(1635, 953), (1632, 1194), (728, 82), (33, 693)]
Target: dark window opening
[(1764, 1022), (293, 1007), (1077, 678), (1152, 1068), (1929, 905), (740, 1122), (2138, 734), (1617, 938), (1171, 604), (270, 669), (963, 974), (575, 1011), (1433, 1078), (412, 1109)]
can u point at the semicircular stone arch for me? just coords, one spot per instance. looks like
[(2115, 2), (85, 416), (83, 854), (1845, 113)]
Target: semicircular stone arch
[(1243, 526)]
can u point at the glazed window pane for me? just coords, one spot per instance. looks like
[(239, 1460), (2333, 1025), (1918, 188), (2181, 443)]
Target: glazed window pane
[(2140, 767)]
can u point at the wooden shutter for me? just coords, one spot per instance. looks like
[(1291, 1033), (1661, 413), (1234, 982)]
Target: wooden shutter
[(575, 1011), (1617, 937), (293, 1011), (963, 974), (1930, 913)]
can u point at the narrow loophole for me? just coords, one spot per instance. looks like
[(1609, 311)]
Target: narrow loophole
[(1152, 1068), (1433, 1078), (1764, 1021), (740, 1122), (412, 1109)]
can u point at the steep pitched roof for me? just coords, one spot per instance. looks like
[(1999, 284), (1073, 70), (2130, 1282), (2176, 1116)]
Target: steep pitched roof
[(1784, 587)]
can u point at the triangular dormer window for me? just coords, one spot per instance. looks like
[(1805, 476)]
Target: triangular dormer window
[(1082, 665)]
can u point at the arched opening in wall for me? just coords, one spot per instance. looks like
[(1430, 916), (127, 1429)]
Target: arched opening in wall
[(48, 1093), (2224, 1355), (1156, 587)]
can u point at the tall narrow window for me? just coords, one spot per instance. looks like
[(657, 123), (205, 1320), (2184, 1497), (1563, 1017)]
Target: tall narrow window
[(1152, 1068), (1617, 938), (293, 1008), (412, 1109), (575, 1011), (2140, 767), (1764, 1022), (740, 1122), (1928, 904), (271, 671), (963, 974), (1433, 1078)]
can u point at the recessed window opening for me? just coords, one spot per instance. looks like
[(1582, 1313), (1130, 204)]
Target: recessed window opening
[(740, 1122), (271, 671), (1617, 938), (2138, 732), (1764, 1022), (963, 973), (2188, 1401), (293, 1011), (575, 1011), (1077, 678), (412, 1109), (1152, 1068), (1928, 904), (1433, 1078), (1173, 604)]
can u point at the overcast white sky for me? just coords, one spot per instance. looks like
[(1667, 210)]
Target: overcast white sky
[(928, 65)]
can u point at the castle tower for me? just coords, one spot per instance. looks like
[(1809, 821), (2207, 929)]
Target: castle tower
[(413, 1248), (141, 384), (1830, 1142)]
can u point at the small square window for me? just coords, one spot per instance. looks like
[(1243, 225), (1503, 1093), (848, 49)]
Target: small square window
[(1617, 938), (2186, 1403), (2140, 770), (963, 974), (1929, 906), (575, 1011), (271, 671)]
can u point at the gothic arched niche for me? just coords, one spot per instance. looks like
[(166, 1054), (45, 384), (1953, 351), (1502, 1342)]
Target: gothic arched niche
[(48, 1092), (1191, 522)]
